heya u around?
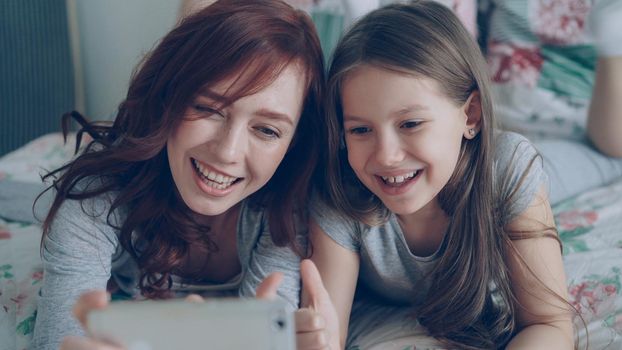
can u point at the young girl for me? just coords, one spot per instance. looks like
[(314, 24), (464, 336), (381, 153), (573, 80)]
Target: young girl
[(198, 185), (435, 214)]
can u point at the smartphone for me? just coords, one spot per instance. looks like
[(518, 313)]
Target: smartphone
[(179, 324)]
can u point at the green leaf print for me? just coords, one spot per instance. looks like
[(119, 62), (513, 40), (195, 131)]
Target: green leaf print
[(5, 271), (571, 243), (27, 326), (575, 246), (569, 235), (610, 321), (612, 279)]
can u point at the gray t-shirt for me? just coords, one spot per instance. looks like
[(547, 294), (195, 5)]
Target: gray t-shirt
[(82, 252), (387, 266)]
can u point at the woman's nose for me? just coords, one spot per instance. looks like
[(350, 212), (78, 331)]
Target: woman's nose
[(229, 144)]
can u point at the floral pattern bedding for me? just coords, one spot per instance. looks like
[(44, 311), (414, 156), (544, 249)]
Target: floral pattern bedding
[(590, 227)]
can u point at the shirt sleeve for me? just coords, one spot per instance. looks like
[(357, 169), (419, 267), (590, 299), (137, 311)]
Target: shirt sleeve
[(343, 231), (264, 258), (77, 255), (520, 173)]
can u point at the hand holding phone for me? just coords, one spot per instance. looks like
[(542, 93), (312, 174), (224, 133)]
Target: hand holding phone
[(213, 324)]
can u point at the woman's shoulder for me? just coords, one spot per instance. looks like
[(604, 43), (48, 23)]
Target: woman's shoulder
[(90, 213)]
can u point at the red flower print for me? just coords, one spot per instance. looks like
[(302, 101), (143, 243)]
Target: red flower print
[(593, 298), (570, 220), (4, 233), (37, 276), (514, 64), (560, 22)]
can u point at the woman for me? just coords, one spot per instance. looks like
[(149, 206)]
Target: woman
[(198, 185)]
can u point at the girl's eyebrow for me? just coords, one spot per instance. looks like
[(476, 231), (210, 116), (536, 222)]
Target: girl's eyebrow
[(410, 109), (352, 118), (399, 112)]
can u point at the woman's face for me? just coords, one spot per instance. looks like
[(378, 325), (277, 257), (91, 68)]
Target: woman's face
[(403, 136), (221, 155)]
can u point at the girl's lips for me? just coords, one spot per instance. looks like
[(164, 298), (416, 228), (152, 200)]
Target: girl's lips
[(397, 188)]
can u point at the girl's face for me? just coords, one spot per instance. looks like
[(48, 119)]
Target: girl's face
[(221, 155), (403, 136)]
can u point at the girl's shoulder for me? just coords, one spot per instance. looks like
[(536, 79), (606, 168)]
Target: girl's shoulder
[(518, 173), (342, 229)]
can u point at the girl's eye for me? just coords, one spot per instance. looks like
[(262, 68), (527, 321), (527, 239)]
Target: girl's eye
[(411, 124), (268, 132), (359, 130)]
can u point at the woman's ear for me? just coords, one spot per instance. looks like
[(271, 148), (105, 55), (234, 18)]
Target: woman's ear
[(473, 113)]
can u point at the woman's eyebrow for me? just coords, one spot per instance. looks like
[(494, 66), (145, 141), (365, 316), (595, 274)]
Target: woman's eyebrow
[(212, 95), (274, 115)]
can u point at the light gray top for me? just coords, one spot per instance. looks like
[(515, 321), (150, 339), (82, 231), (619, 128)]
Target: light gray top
[(387, 267), (82, 252)]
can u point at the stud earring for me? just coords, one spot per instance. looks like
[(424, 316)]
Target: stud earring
[(471, 132)]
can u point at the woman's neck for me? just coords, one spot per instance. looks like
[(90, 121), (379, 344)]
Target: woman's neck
[(222, 224), (424, 229), (222, 264)]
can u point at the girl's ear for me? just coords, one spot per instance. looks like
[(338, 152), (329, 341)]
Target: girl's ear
[(473, 113)]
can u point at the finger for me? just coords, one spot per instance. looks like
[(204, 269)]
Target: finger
[(93, 300), (312, 340), (268, 287), (308, 320), (194, 298), (79, 343), (312, 284)]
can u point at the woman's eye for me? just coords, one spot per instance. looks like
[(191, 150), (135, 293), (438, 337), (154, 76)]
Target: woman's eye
[(410, 124), (268, 132), (359, 130), (204, 109)]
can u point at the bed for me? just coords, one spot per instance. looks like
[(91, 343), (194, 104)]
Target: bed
[(590, 226)]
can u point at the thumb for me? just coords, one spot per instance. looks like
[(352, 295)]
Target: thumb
[(312, 285), (268, 287), (89, 301)]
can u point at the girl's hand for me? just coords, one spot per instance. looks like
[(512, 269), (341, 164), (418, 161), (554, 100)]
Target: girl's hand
[(317, 324), (94, 300)]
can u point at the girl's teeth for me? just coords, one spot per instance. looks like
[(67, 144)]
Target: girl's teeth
[(399, 179)]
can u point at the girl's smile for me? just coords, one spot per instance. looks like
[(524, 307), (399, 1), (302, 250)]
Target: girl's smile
[(403, 135), (398, 184)]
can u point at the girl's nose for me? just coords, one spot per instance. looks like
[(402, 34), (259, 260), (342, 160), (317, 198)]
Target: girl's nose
[(389, 150)]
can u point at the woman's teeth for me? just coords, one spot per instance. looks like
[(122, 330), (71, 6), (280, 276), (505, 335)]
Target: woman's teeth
[(401, 178), (212, 178)]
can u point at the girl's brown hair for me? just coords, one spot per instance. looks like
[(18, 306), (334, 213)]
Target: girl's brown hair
[(258, 38), (425, 39)]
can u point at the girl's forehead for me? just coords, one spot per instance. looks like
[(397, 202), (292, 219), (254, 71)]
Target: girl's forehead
[(369, 77)]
